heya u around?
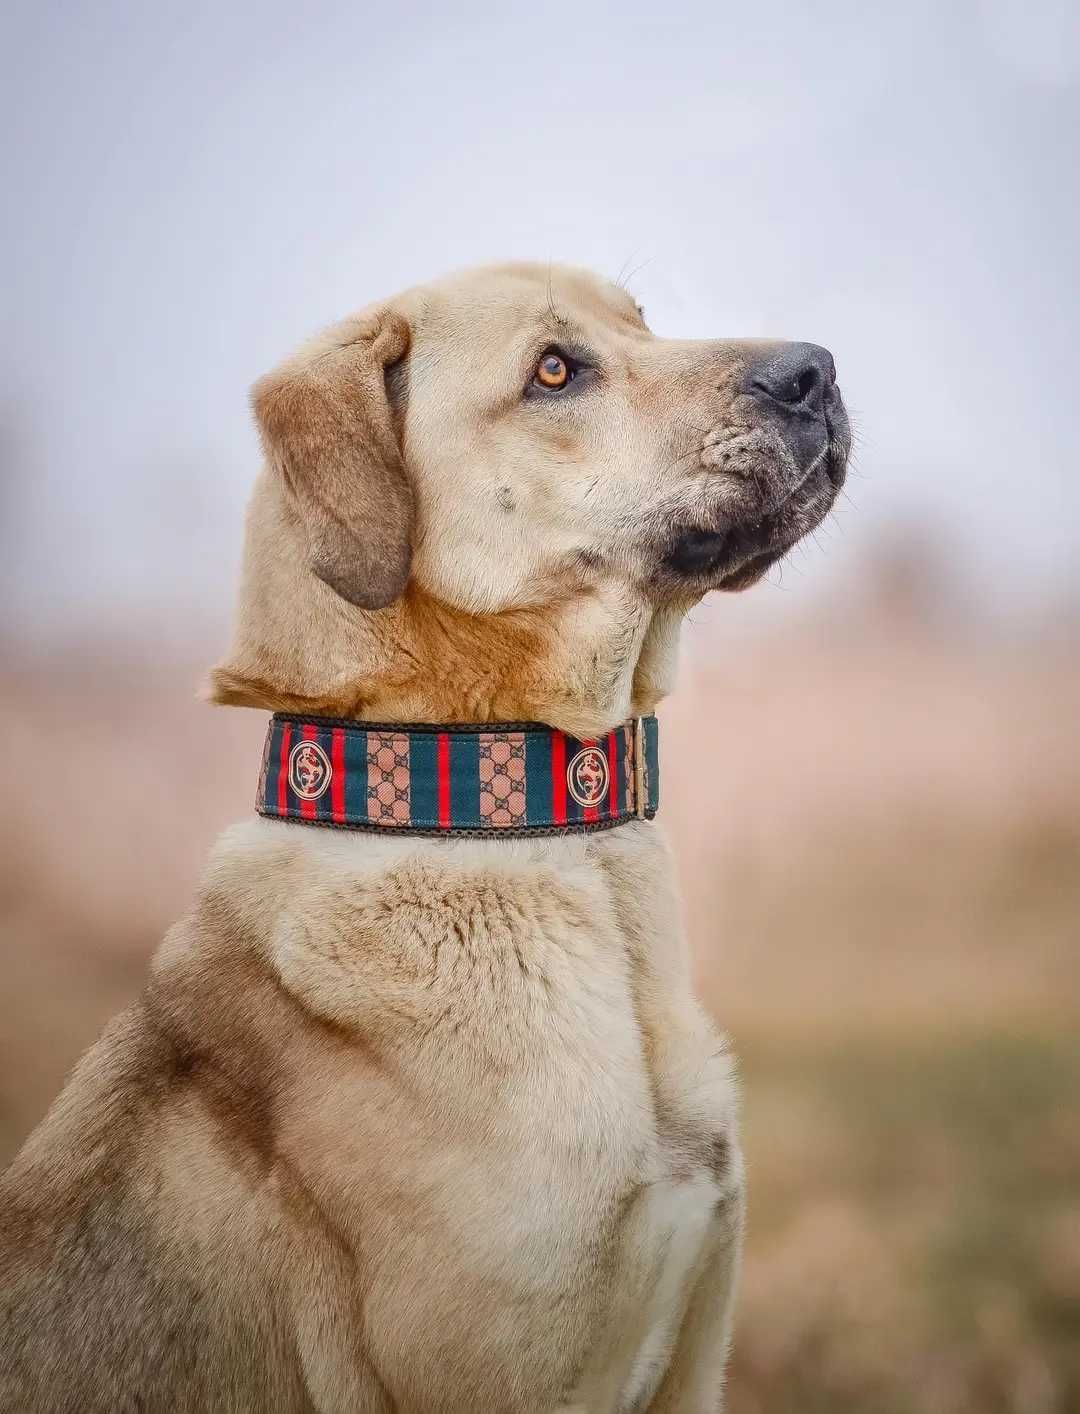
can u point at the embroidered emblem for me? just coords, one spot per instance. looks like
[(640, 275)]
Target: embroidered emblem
[(388, 778), (587, 776), (502, 778), (309, 770)]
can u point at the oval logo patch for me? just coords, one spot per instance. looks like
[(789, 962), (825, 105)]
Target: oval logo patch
[(309, 770), (587, 776)]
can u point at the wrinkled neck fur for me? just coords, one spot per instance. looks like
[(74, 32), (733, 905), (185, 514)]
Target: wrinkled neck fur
[(583, 661), (583, 665)]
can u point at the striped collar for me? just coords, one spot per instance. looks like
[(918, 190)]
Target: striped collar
[(514, 778)]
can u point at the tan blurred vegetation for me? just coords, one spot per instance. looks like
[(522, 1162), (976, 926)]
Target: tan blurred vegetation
[(878, 828)]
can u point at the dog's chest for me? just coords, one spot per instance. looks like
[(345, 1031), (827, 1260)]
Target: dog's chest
[(614, 1155), (553, 1115)]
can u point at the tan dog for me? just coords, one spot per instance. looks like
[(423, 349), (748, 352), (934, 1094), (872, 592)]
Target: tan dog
[(435, 1125)]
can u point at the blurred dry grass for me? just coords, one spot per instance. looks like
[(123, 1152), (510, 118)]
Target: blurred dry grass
[(878, 828)]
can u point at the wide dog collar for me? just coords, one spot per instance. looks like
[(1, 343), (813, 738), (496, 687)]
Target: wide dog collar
[(508, 778)]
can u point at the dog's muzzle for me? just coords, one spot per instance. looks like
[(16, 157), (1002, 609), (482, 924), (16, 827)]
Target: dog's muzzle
[(784, 465)]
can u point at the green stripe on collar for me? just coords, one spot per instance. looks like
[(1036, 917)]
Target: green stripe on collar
[(509, 778)]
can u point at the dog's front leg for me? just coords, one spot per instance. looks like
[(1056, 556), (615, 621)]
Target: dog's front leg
[(694, 1381)]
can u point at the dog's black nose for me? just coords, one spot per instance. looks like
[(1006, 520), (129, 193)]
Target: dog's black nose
[(793, 378)]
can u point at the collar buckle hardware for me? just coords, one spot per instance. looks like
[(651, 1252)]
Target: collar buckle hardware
[(640, 788)]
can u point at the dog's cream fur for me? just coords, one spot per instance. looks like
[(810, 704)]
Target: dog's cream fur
[(410, 1125)]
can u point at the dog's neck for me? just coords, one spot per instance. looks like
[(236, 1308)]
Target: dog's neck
[(582, 665), (583, 661)]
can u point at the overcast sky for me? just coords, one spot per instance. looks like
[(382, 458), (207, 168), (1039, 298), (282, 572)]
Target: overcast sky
[(191, 188)]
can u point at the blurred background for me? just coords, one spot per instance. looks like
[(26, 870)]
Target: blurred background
[(879, 836)]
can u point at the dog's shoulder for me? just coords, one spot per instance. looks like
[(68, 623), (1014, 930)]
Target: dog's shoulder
[(84, 1141), (103, 1292), (146, 1226)]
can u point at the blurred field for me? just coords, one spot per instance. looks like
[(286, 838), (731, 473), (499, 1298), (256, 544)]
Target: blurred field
[(878, 828)]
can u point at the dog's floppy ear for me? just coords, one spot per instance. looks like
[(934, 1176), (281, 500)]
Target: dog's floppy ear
[(328, 430)]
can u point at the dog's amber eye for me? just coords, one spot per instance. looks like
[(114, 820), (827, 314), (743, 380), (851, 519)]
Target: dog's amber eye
[(552, 371)]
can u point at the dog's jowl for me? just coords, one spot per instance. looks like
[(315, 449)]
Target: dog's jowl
[(417, 1111)]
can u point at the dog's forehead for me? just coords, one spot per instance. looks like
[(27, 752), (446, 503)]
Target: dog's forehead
[(507, 297)]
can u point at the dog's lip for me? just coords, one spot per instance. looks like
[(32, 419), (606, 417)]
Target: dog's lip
[(702, 551), (752, 542), (751, 570), (698, 548)]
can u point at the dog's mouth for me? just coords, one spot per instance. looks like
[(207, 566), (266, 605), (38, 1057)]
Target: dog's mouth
[(703, 553), (736, 553)]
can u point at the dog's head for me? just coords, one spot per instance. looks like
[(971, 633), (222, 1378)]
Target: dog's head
[(507, 443)]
